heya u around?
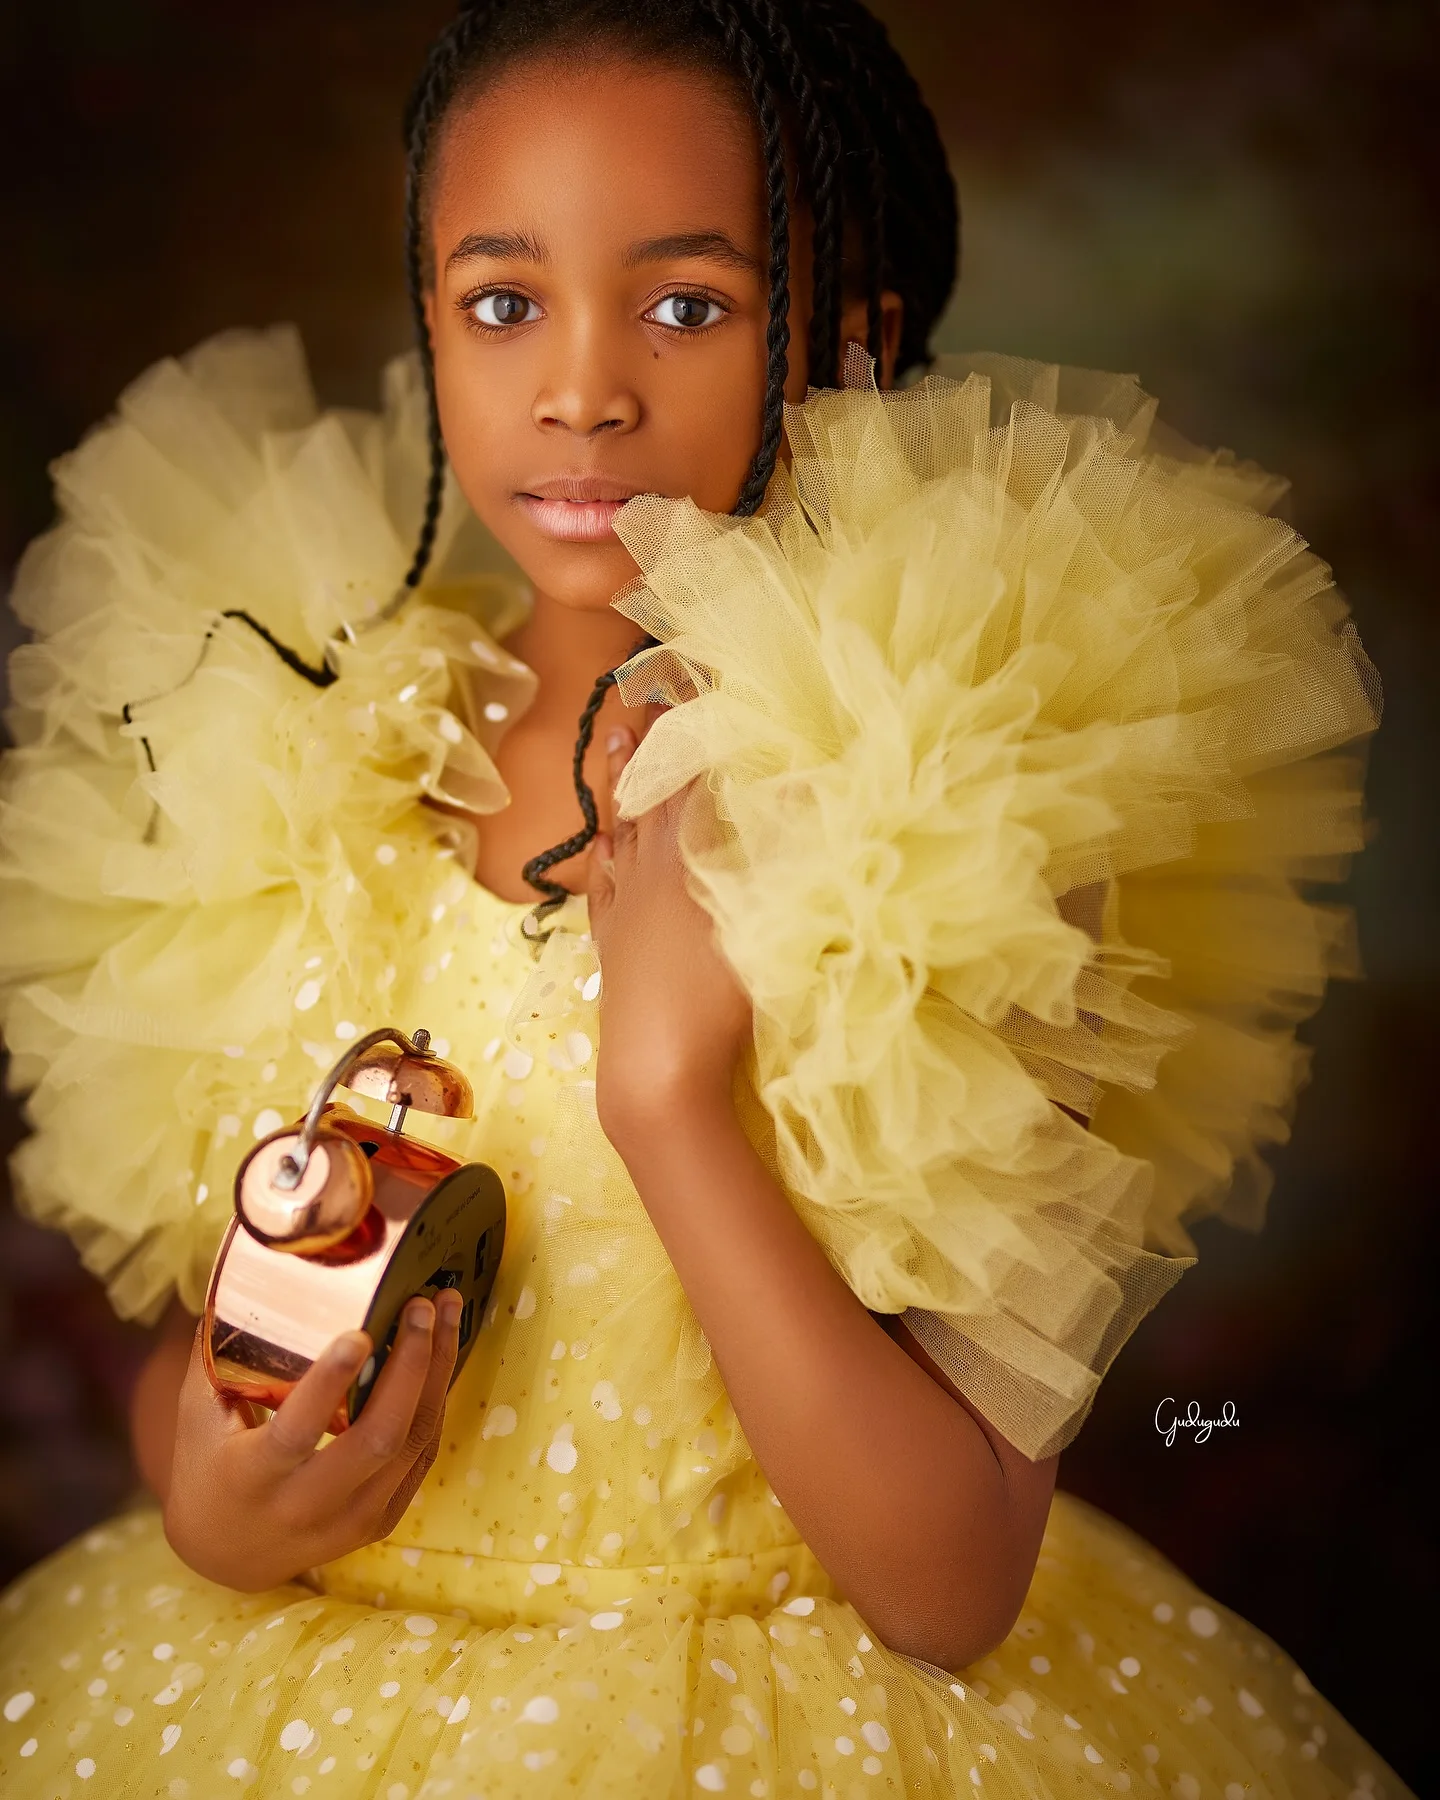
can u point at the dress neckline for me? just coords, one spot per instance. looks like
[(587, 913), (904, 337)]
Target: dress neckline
[(510, 907), (514, 908)]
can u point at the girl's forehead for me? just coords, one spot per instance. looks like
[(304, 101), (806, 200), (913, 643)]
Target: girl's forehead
[(565, 134)]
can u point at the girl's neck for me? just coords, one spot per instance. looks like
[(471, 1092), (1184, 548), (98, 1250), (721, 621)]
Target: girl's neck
[(568, 647)]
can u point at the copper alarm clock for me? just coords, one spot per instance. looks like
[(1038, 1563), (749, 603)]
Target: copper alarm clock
[(339, 1221)]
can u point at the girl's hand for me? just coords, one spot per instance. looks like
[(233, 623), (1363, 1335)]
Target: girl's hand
[(253, 1505), (674, 1019)]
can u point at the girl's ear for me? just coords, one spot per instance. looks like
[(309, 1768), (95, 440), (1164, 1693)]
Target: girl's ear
[(854, 324), (430, 313)]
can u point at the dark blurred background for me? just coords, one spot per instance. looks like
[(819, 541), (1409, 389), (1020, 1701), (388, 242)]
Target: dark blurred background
[(1236, 201)]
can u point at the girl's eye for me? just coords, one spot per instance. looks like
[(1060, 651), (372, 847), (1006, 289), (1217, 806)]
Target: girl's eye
[(502, 309), (687, 311)]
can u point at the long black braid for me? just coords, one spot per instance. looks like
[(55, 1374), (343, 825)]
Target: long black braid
[(744, 47), (868, 151), (915, 219), (821, 160), (869, 154)]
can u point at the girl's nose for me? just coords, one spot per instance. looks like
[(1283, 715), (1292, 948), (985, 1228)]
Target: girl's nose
[(585, 405), (585, 409)]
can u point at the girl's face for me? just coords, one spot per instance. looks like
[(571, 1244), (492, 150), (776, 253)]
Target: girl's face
[(600, 306)]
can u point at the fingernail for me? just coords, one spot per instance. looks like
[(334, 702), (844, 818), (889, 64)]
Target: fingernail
[(349, 1346), (419, 1316), (616, 738)]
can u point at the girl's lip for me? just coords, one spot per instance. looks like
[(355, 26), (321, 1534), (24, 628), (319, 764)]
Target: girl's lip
[(572, 521)]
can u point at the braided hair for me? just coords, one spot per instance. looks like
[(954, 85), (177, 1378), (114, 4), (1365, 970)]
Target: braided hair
[(826, 86)]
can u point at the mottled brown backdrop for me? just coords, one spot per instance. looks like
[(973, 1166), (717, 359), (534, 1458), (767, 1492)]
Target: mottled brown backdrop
[(1237, 201)]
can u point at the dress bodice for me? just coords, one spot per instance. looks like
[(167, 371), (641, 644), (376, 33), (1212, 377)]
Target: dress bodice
[(990, 645), (589, 1447)]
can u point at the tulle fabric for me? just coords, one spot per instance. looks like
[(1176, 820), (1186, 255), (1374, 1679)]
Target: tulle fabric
[(139, 1681), (210, 868), (594, 1591), (1025, 737)]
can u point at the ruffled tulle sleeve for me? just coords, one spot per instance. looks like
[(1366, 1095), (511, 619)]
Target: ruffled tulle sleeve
[(213, 861), (1027, 731)]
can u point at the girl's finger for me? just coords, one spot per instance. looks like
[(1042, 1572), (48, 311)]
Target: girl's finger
[(600, 876), (204, 1416), (391, 1508), (308, 1409), (668, 814), (377, 1506), (389, 1429), (445, 1347), (619, 747), (378, 1488), (656, 840)]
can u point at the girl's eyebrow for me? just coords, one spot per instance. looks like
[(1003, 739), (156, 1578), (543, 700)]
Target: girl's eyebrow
[(519, 246), (714, 246), (511, 246)]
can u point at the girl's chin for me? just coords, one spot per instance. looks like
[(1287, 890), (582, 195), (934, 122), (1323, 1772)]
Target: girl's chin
[(580, 577)]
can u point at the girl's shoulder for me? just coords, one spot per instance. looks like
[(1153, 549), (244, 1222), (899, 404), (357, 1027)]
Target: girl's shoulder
[(217, 859), (1031, 729), (1028, 730)]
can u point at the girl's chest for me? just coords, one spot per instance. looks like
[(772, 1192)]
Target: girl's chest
[(589, 1412), (583, 1269)]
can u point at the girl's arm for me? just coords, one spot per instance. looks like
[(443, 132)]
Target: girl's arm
[(155, 1401), (925, 1517), (253, 1504)]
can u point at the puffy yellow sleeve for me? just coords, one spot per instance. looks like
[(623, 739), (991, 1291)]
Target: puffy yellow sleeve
[(1027, 731), (211, 865)]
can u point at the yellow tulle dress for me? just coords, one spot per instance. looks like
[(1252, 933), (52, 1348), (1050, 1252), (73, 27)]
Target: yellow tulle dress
[(1026, 728)]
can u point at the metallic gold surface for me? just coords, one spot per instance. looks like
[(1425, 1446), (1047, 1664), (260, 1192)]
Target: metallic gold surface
[(426, 1083), (331, 1196), (271, 1310)]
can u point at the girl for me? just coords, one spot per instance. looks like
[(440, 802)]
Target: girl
[(970, 967)]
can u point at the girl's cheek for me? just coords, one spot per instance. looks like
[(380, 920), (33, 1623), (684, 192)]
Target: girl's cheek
[(697, 431), (712, 426), (484, 424)]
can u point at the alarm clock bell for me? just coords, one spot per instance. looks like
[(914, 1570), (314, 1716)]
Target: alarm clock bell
[(339, 1222)]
